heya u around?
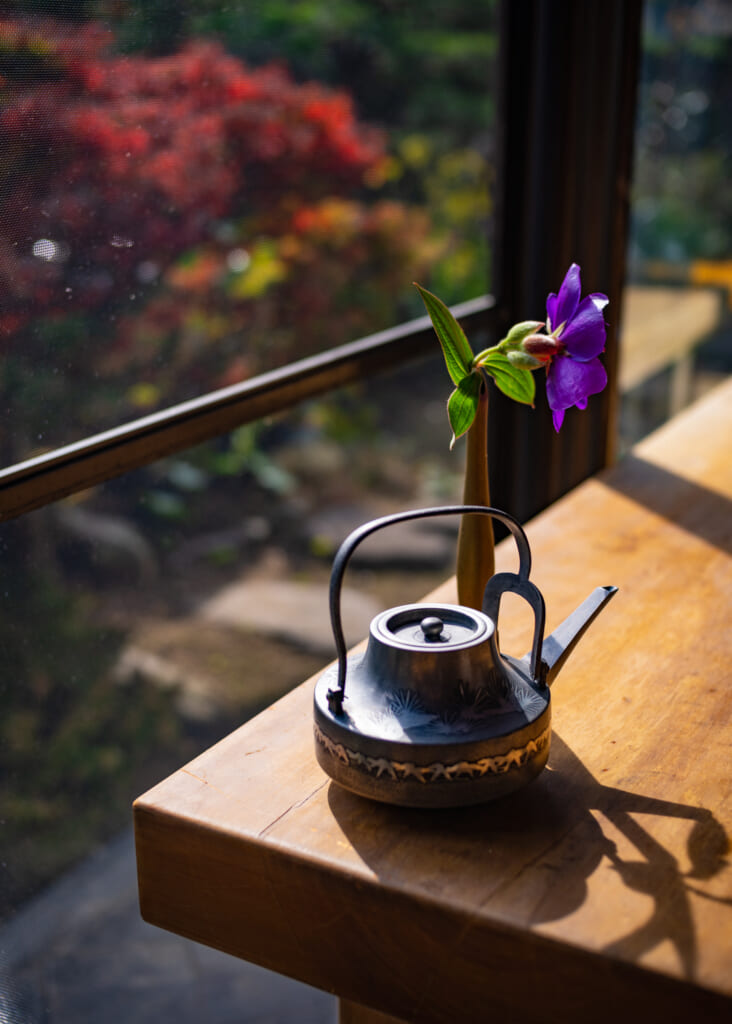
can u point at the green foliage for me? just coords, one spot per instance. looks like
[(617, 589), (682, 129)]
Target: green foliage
[(164, 504), (682, 208), (70, 740), (513, 381), (467, 371), (417, 69), (462, 405), (455, 346), (344, 417), (245, 454), (455, 185), (422, 65)]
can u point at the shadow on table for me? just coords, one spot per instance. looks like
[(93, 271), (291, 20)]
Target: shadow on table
[(692, 506), (542, 845)]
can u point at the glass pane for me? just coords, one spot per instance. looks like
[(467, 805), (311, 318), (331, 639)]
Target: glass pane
[(677, 323), (144, 619), (192, 193)]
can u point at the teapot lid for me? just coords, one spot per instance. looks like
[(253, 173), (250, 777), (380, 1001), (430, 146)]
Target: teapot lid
[(435, 628)]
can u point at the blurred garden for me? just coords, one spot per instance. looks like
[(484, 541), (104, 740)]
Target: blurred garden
[(183, 209)]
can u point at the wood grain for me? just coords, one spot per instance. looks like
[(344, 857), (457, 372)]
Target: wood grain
[(661, 325), (602, 890), (354, 1013)]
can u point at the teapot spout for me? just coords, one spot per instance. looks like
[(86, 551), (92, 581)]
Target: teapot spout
[(558, 647)]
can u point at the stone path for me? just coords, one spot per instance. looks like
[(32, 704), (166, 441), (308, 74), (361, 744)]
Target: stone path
[(293, 611), (81, 954)]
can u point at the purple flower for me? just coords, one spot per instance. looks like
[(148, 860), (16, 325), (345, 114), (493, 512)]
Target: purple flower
[(578, 325)]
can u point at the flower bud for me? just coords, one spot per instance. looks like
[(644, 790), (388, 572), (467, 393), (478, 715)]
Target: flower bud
[(519, 331), (523, 360), (542, 345)]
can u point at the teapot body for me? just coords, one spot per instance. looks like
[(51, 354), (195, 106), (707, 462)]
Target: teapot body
[(433, 714), (437, 721)]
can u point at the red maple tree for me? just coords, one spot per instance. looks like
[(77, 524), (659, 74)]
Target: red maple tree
[(113, 165)]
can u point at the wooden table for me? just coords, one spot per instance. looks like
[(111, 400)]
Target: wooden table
[(662, 326), (601, 892)]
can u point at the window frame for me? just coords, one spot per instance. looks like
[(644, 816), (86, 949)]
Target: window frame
[(56, 474), (567, 101)]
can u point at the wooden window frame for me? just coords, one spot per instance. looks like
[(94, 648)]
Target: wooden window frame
[(36, 482)]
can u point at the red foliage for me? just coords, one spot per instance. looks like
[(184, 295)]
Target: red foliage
[(339, 269), (114, 165)]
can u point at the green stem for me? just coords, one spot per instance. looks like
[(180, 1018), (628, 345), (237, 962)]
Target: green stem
[(500, 347), (475, 552)]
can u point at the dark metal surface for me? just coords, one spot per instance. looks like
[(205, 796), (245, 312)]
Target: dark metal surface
[(433, 715), (48, 477), (519, 583), (558, 647), (425, 776)]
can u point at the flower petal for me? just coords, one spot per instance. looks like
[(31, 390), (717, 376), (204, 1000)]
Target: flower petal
[(562, 307), (557, 418), (584, 335), (569, 382)]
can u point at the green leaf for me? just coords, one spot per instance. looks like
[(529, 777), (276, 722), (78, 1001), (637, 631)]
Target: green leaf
[(455, 346), (462, 405), (518, 384)]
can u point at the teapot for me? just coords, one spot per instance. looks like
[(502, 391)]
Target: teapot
[(433, 714)]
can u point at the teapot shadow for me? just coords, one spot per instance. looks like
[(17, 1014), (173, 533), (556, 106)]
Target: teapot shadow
[(543, 844)]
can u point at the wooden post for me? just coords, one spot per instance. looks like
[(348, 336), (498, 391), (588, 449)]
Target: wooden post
[(566, 124)]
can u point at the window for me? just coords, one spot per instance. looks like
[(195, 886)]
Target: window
[(104, 590), (204, 209), (675, 341), (187, 207)]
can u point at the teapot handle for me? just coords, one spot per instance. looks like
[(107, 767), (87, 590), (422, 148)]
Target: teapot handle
[(518, 583), (509, 582)]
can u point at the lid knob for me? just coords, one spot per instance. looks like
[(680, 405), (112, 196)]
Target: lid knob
[(432, 627)]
